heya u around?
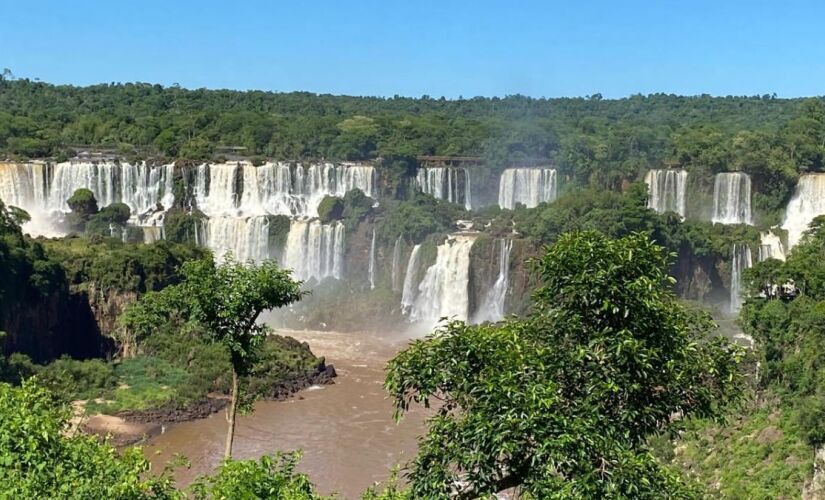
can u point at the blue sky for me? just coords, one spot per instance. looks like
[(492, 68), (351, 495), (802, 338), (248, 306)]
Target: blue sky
[(418, 47)]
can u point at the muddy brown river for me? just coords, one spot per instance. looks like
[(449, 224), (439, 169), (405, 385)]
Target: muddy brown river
[(346, 430)]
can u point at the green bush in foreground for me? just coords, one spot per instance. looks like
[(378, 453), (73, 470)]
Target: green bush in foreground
[(40, 458)]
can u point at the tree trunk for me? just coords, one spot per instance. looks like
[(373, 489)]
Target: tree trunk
[(233, 404)]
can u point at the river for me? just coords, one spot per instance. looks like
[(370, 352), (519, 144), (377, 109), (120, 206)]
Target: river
[(346, 430)]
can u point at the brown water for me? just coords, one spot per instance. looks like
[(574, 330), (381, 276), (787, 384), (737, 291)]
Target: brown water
[(346, 431)]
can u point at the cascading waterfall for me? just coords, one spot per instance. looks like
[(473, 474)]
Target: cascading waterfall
[(667, 191), (276, 188), (740, 260), (372, 261), (314, 250), (42, 190), (770, 247), (807, 203), (732, 198), (246, 193), (529, 186), (443, 291), (445, 183), (396, 263), (245, 238), (492, 307), (410, 281)]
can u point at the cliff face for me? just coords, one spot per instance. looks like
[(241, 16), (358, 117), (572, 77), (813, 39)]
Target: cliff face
[(61, 323)]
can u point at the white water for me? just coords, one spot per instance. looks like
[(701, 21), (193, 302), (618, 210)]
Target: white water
[(42, 190), (276, 188), (396, 265), (732, 198), (410, 283), (807, 203), (372, 262), (492, 307), (314, 250), (529, 186), (667, 191), (770, 247), (443, 290), (245, 238), (740, 260), (446, 183)]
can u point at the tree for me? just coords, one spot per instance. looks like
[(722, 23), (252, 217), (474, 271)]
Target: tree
[(560, 403), (225, 300), (40, 457)]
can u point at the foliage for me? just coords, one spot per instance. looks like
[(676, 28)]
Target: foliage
[(356, 206), (561, 402), (758, 453), (38, 459), (330, 209), (789, 329), (418, 218), (181, 226), (83, 203), (225, 302), (111, 264), (271, 476)]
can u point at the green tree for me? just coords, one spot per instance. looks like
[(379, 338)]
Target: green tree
[(561, 403), (225, 301), (40, 457), (83, 203)]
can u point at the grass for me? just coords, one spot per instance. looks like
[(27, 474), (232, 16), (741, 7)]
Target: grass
[(144, 382), (757, 454)]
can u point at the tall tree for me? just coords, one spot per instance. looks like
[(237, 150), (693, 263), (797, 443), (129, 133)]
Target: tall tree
[(560, 403), (225, 300)]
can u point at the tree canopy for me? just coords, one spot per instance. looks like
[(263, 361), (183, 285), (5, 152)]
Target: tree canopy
[(560, 403)]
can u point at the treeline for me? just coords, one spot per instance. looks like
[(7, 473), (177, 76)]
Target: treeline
[(593, 139)]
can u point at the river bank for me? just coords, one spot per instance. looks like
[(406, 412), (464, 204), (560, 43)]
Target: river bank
[(332, 424)]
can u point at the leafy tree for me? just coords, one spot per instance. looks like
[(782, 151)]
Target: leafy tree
[(225, 300), (269, 477), (40, 457), (83, 203), (560, 403)]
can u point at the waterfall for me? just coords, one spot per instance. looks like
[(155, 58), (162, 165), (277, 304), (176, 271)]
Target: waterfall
[(492, 307), (42, 189), (372, 262), (443, 291), (807, 203), (396, 263), (740, 260), (770, 247), (732, 198), (314, 250), (152, 234), (410, 281), (276, 188), (667, 191), (246, 238), (529, 186), (445, 183)]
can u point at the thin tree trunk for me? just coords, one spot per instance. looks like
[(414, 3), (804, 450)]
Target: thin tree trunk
[(233, 404)]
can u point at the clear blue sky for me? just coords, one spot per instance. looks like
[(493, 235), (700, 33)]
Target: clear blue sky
[(417, 47)]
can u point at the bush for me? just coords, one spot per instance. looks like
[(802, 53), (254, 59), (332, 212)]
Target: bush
[(83, 203), (330, 209)]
